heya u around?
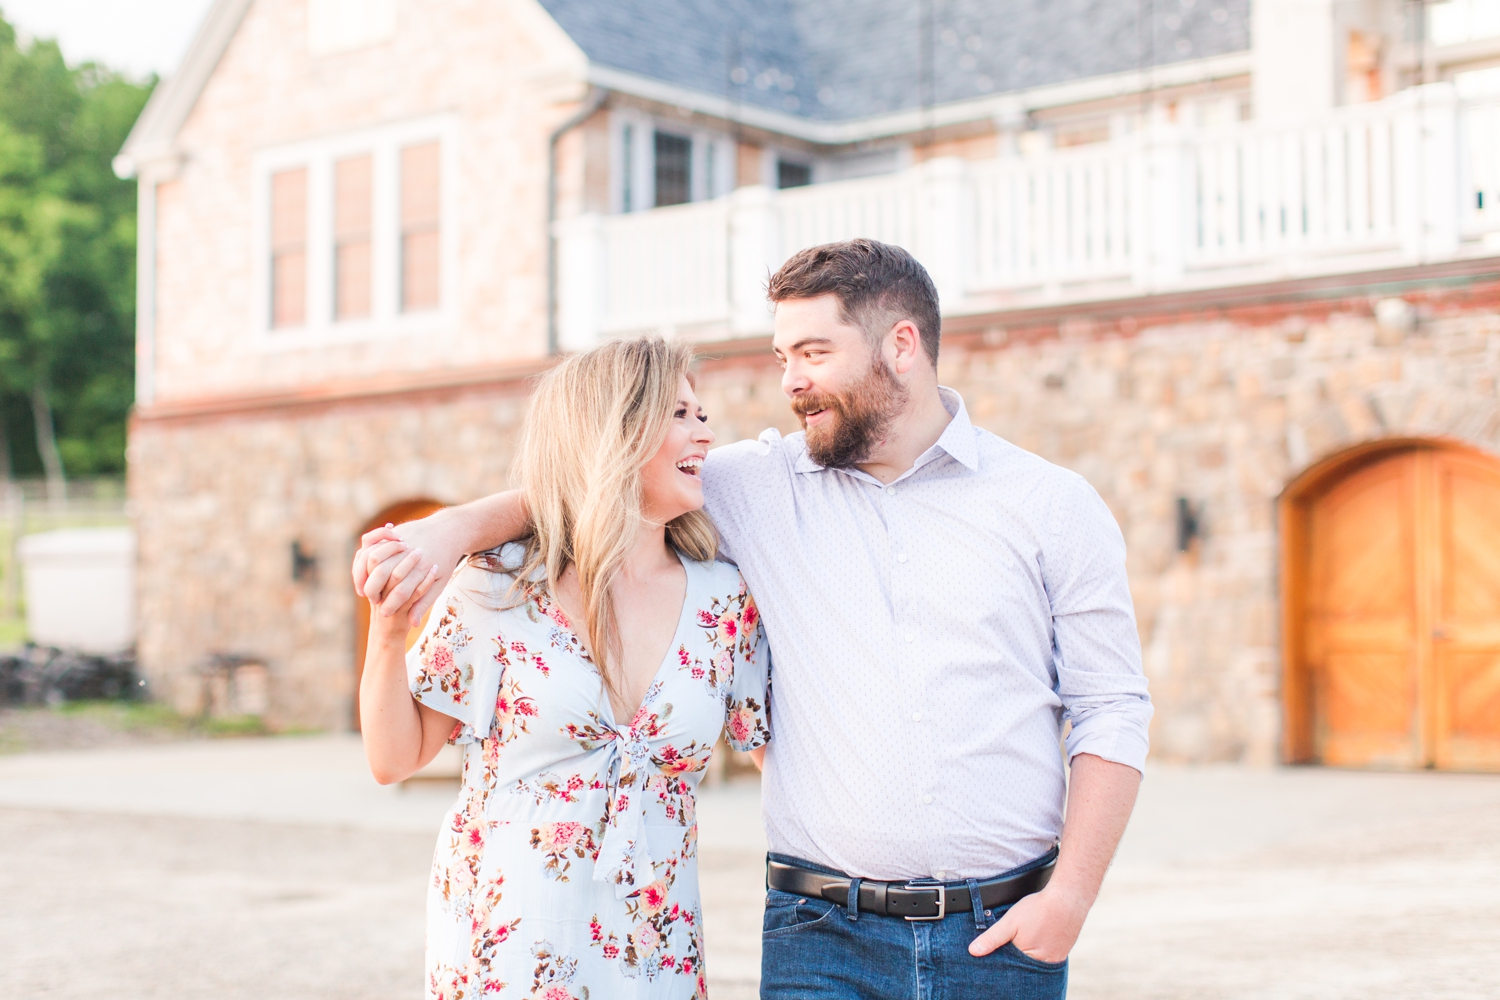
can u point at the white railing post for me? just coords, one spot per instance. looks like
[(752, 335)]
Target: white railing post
[(1163, 195), (946, 228), (1427, 174), (582, 281), (753, 254)]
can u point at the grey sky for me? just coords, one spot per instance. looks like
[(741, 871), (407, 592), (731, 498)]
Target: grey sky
[(135, 36)]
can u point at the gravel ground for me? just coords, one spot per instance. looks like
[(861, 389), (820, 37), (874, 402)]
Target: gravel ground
[(275, 868), (1411, 910), (163, 907)]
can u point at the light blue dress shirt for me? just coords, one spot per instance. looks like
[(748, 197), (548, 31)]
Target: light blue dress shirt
[(930, 639)]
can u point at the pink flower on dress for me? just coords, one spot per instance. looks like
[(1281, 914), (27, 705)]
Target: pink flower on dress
[(742, 725), (557, 993), (611, 951), (708, 619), (654, 898), (560, 836), (647, 938), (749, 616)]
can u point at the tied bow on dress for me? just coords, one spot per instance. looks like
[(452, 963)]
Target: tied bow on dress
[(624, 854)]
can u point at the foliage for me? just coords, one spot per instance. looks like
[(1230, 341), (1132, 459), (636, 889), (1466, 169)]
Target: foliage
[(67, 255)]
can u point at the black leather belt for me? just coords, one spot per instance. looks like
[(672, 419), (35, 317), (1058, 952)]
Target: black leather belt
[(918, 900)]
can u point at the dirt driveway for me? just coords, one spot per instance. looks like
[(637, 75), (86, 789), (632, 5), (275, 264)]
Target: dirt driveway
[(275, 868)]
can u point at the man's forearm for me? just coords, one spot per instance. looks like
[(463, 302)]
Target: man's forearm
[(487, 522), (1101, 795)]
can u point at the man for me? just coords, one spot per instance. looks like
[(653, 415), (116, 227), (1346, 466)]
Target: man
[(939, 603)]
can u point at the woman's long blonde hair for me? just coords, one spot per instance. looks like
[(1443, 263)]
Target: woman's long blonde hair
[(595, 420)]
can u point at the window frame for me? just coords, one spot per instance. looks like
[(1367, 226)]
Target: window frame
[(384, 144), (641, 170)]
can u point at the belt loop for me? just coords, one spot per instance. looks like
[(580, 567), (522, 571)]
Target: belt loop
[(853, 906), (976, 902)]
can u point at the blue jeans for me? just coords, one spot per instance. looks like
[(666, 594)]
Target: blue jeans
[(812, 949)]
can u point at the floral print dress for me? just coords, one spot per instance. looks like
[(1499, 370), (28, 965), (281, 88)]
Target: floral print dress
[(567, 869)]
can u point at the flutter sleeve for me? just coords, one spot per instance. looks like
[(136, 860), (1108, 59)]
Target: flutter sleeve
[(747, 703), (450, 669)]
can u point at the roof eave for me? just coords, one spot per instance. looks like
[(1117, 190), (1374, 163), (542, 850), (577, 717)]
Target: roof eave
[(1005, 105), (153, 137)]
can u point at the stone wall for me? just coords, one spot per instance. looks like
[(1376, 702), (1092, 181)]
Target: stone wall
[(1223, 408), (218, 504)]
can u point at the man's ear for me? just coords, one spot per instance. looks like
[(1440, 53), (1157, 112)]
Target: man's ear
[(906, 344)]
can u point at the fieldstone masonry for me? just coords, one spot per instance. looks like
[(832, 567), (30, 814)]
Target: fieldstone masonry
[(1223, 409)]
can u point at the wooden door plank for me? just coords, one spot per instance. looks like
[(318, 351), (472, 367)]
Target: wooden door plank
[(1466, 629), (1361, 643)]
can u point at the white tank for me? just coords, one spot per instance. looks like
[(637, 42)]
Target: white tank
[(80, 588)]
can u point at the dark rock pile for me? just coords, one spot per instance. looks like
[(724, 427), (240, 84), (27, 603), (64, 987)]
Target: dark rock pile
[(44, 675)]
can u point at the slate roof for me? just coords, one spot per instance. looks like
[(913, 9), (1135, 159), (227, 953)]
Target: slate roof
[(836, 60)]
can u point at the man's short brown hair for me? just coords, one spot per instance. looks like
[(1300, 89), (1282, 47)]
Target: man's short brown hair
[(877, 285)]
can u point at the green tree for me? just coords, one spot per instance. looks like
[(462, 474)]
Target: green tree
[(67, 263)]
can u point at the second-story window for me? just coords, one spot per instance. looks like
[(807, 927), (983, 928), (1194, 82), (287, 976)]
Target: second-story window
[(353, 204), (420, 233), (654, 164), (790, 174), (356, 237), (289, 248), (674, 169)]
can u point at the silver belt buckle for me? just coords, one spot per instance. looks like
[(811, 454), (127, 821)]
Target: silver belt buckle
[(942, 900)]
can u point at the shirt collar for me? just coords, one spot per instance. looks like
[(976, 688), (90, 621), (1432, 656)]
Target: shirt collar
[(957, 440)]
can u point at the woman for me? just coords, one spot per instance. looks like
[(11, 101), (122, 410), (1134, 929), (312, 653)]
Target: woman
[(587, 673)]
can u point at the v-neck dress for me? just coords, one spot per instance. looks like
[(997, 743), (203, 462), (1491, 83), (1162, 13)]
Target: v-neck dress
[(567, 869)]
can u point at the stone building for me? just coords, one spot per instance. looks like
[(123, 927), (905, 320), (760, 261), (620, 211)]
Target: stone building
[(1250, 291)]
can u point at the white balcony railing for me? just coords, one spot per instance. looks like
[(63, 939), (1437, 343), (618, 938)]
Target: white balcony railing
[(1413, 179)]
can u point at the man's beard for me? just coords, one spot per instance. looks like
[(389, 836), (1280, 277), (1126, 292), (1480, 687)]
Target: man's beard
[(857, 420)]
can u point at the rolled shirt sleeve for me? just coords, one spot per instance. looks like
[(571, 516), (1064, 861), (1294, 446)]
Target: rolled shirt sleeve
[(1096, 647)]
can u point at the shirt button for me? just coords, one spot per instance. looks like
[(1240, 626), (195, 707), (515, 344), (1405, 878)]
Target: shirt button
[(927, 800), (910, 637), (916, 716), (890, 491), (901, 557), (941, 876)]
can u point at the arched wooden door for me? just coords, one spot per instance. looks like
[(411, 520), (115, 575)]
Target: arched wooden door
[(407, 510), (1392, 582)]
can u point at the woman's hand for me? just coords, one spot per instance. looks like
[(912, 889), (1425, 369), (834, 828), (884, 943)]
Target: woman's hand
[(396, 565), (382, 575), (393, 626)]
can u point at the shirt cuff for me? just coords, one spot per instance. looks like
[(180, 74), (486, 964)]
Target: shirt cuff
[(1121, 736)]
